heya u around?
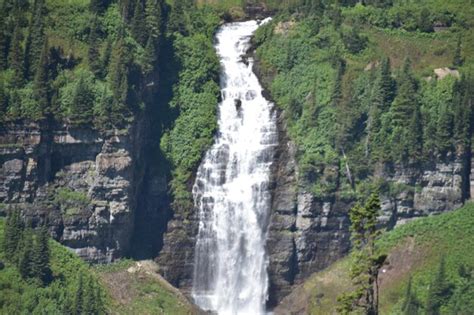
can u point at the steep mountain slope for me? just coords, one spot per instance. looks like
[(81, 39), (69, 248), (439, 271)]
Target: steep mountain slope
[(106, 108), (125, 287), (414, 250), (137, 288), (362, 107)]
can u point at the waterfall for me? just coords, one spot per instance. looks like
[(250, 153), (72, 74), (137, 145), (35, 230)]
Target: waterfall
[(231, 191)]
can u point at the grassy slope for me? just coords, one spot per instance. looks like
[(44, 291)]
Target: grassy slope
[(14, 290), (415, 249), (142, 291), (136, 288)]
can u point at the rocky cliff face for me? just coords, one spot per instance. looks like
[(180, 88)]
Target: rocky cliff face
[(424, 190), (176, 258), (83, 184), (307, 234)]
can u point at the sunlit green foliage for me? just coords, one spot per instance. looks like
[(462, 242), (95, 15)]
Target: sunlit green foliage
[(40, 276), (195, 98), (350, 103), (46, 42)]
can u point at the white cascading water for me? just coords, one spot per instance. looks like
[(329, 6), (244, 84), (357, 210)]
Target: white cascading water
[(231, 190)]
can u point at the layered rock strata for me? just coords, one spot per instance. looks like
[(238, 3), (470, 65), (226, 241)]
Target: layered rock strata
[(81, 183)]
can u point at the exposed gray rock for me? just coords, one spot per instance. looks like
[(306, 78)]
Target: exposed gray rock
[(307, 234), (82, 183)]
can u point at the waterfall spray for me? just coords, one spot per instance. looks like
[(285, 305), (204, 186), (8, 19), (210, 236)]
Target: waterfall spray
[(231, 191)]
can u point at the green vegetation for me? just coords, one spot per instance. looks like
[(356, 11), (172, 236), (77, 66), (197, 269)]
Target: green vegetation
[(442, 279), (352, 81), (430, 264), (70, 201), (77, 63), (136, 288), (101, 64), (365, 260), (195, 94), (40, 276)]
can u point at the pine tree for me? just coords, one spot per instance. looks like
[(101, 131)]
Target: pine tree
[(41, 257), (461, 116), (439, 290), (139, 25), (387, 84), (366, 262), (3, 39), (3, 101), (89, 297), (381, 97), (410, 304), (424, 22), (14, 106), (315, 7), (125, 9), (150, 57), (178, 18), (26, 263), (41, 84), (337, 88), (15, 58), (12, 235), (444, 132), (105, 59), (153, 18), (35, 39), (99, 301), (414, 135), (461, 302), (93, 52), (79, 296), (98, 6), (354, 42), (403, 104), (405, 115), (82, 102), (457, 59), (374, 120), (118, 78)]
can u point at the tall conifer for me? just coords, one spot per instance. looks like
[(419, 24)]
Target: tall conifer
[(3, 101), (42, 254), (3, 39), (41, 84), (411, 304), (153, 18), (82, 102), (15, 58), (439, 290), (457, 59), (405, 116), (105, 58), (366, 262), (139, 25), (79, 296), (98, 6), (118, 77), (35, 38), (93, 54), (26, 262), (12, 235)]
